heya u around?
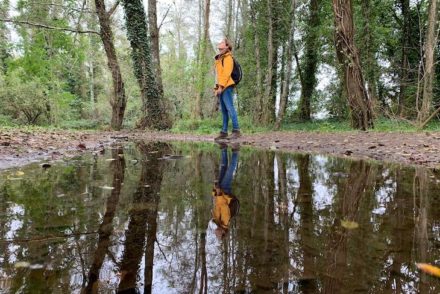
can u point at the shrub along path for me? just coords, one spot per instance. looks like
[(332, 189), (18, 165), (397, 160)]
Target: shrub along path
[(19, 147)]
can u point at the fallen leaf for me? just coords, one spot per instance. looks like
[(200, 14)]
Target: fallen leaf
[(22, 264), (19, 173), (107, 188), (429, 269), (349, 225), (348, 152), (82, 146)]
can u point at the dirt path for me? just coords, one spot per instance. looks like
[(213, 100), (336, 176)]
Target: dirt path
[(18, 147)]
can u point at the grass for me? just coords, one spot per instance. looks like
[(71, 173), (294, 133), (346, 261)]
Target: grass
[(210, 126), (213, 125)]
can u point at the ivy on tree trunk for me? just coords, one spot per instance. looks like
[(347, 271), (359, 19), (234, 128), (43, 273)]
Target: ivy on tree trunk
[(348, 57), (154, 111)]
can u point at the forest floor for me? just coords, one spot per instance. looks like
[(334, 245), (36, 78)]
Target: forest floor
[(19, 147)]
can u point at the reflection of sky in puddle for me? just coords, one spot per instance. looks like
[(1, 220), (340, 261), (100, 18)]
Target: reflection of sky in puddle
[(285, 238)]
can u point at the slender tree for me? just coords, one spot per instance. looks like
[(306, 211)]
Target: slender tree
[(268, 93), (118, 100), (405, 43), (288, 71), (154, 36), (428, 78), (348, 57), (311, 59), (153, 107), (203, 62)]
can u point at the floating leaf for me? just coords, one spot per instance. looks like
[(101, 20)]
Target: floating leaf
[(22, 264), (349, 225), (19, 173), (429, 269), (36, 266), (107, 188)]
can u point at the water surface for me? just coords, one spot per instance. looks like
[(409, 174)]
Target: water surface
[(142, 218)]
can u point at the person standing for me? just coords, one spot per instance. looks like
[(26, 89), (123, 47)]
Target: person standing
[(224, 65)]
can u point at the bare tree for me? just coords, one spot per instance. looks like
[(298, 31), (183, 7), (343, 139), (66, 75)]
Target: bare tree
[(118, 100)]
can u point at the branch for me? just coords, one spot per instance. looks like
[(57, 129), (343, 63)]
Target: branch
[(423, 124), (38, 25), (113, 9), (163, 19)]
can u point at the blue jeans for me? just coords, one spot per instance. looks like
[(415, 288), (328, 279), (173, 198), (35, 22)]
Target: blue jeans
[(227, 171), (228, 109)]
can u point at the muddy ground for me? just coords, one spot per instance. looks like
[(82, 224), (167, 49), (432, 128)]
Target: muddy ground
[(19, 147)]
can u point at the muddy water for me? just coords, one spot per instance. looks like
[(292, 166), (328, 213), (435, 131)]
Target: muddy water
[(142, 218)]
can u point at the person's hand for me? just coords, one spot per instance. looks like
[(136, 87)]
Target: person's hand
[(219, 91)]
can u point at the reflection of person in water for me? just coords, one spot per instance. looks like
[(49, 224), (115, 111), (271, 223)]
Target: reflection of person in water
[(226, 205)]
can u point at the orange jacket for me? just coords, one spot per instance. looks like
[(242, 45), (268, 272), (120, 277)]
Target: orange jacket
[(224, 65), (221, 213)]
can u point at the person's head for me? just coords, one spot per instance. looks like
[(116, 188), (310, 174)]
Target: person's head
[(224, 46)]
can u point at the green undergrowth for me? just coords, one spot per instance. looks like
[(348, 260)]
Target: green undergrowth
[(380, 125), (213, 126)]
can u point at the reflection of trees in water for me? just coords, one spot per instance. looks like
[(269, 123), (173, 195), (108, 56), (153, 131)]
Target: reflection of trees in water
[(143, 220), (347, 201), (283, 239), (51, 228), (106, 228)]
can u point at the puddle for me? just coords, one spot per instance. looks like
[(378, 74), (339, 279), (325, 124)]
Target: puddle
[(186, 218)]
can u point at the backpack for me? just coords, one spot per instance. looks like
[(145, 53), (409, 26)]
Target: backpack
[(237, 73)]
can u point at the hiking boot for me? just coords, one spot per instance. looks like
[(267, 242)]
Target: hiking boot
[(235, 146), (235, 135), (222, 145), (221, 136)]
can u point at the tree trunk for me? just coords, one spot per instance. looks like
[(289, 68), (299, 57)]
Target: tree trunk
[(4, 8), (310, 61), (369, 50), (428, 77), (259, 76), (118, 100), (106, 227), (348, 57), (140, 234), (229, 13), (154, 35), (406, 34), (288, 74), (203, 66), (270, 61), (202, 61), (153, 107)]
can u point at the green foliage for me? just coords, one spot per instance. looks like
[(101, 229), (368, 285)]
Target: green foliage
[(213, 126), (25, 99)]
